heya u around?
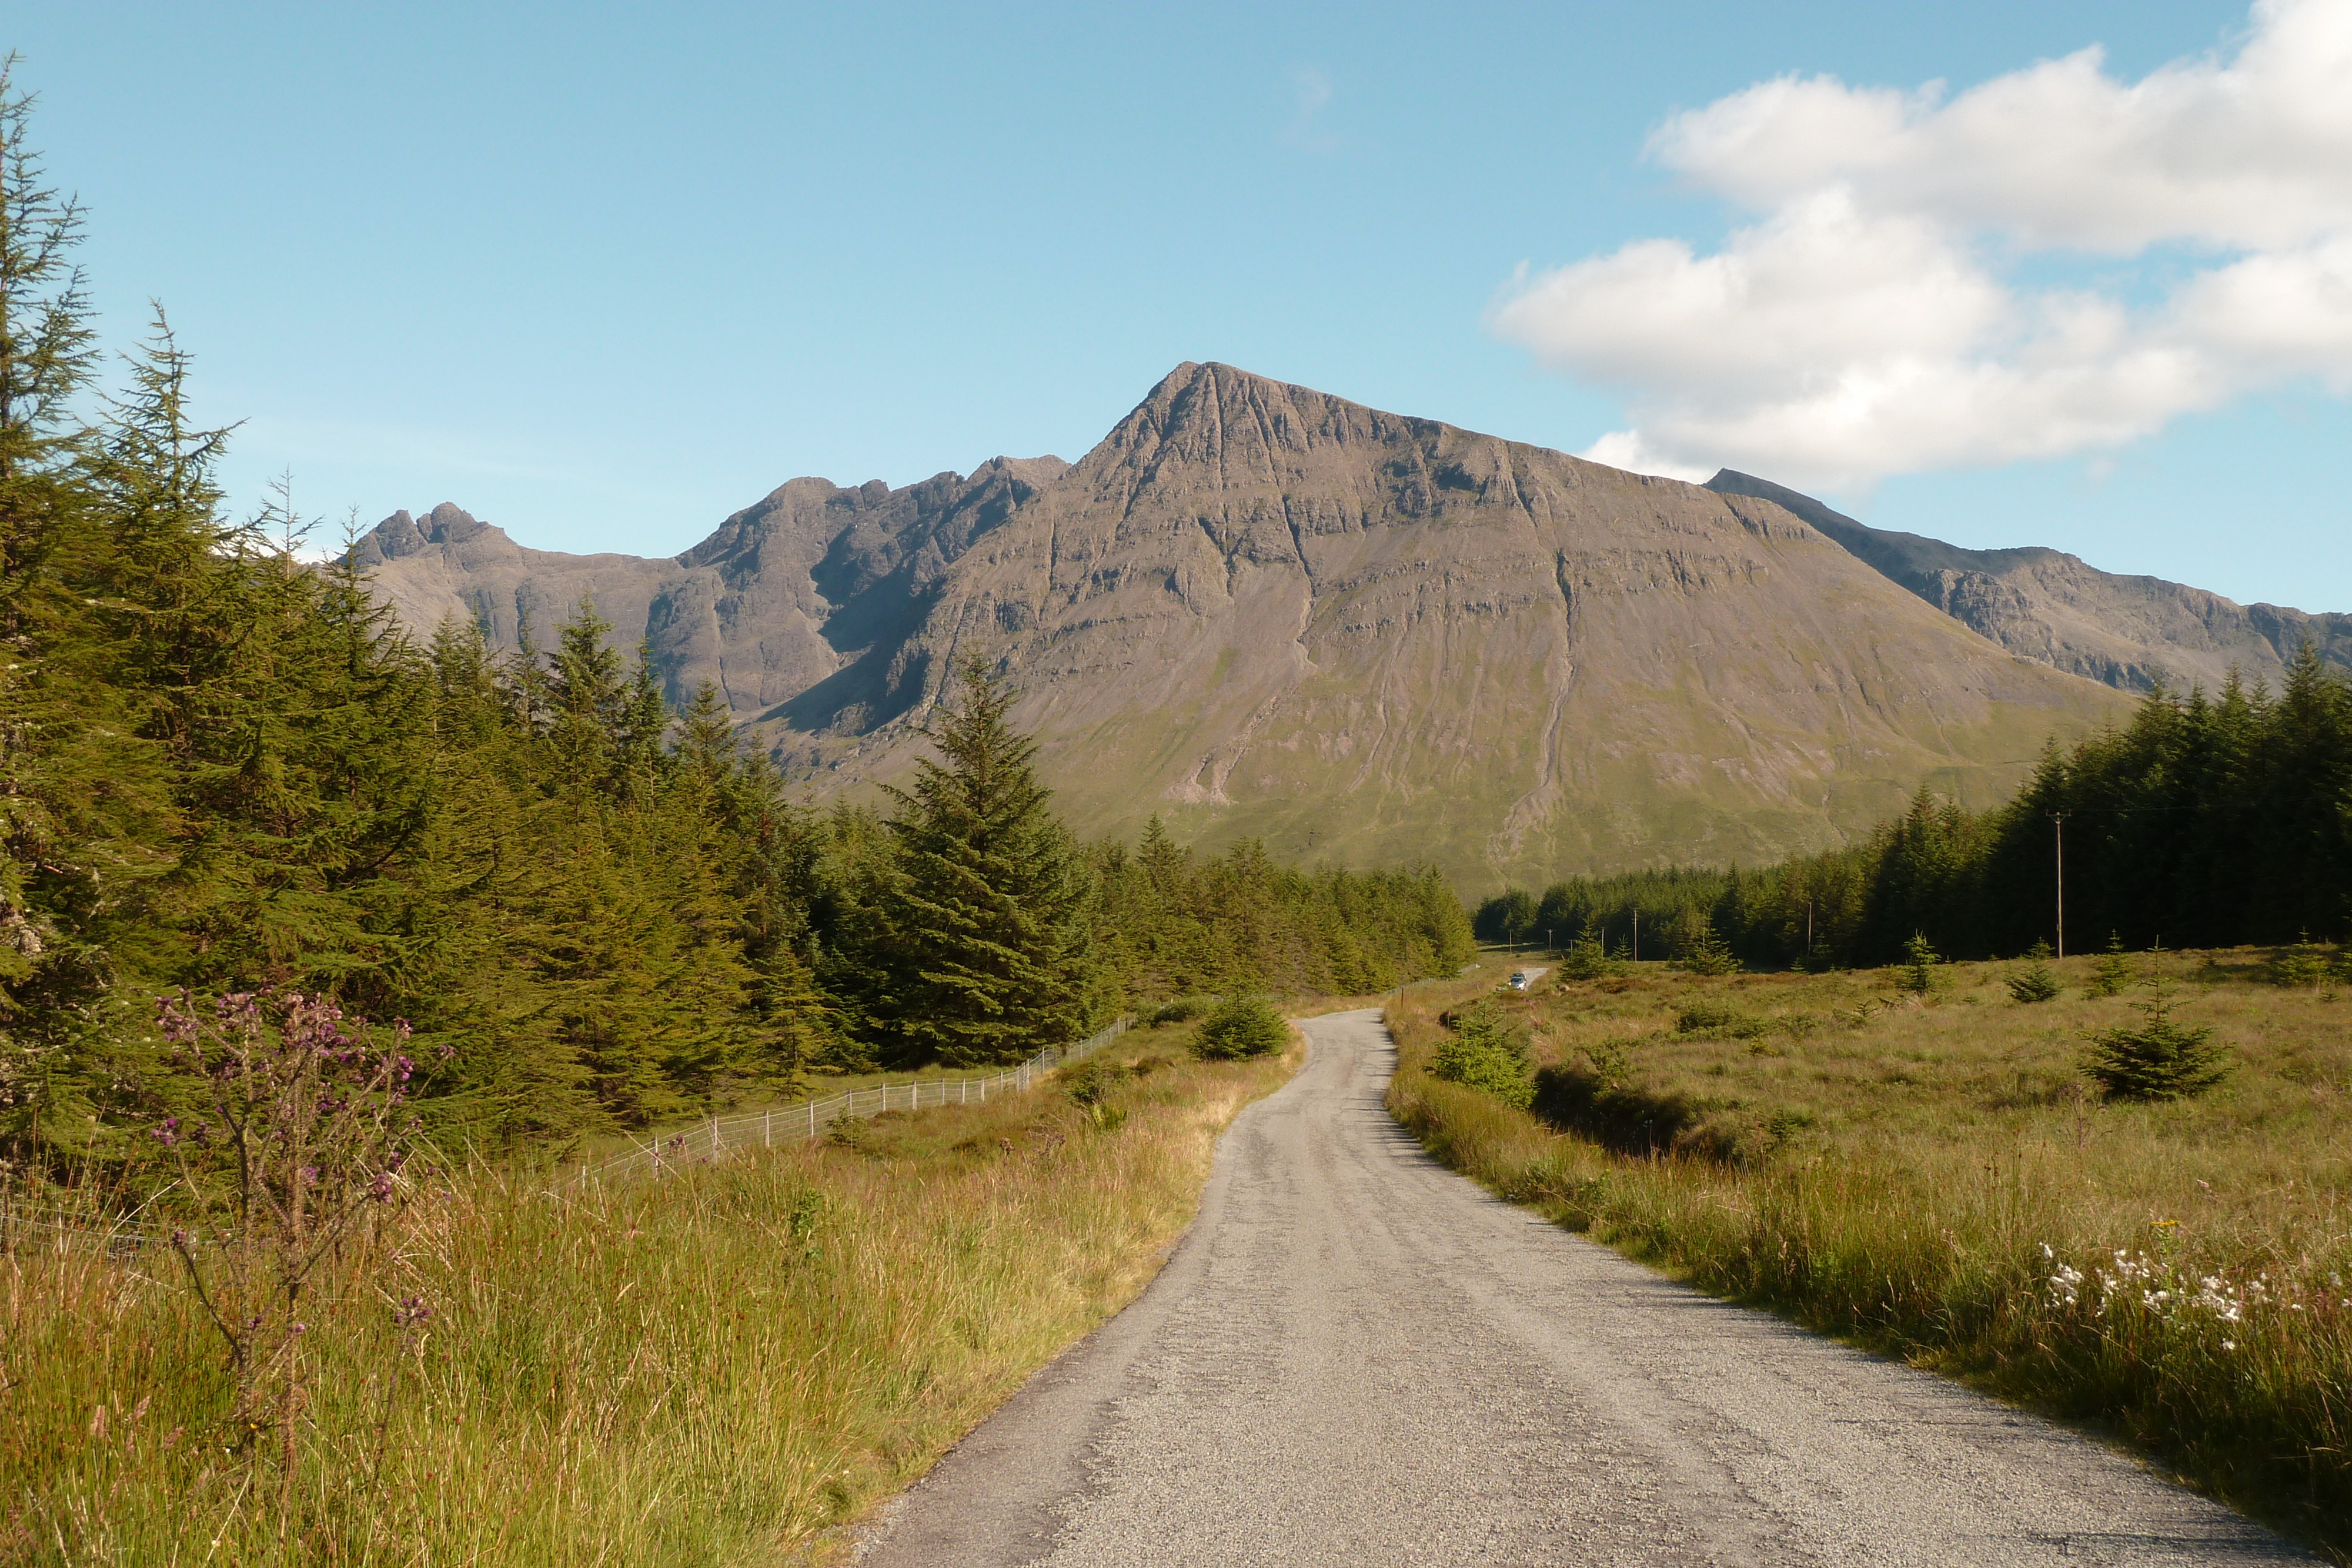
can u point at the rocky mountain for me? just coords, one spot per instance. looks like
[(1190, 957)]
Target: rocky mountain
[(1259, 610), (2127, 632)]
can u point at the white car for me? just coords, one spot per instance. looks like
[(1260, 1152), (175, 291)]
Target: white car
[(1519, 979)]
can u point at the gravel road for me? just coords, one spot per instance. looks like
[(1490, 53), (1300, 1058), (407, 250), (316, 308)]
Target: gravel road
[(1357, 1357)]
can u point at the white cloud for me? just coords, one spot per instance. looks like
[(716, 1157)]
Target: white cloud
[(1866, 323), (1311, 91)]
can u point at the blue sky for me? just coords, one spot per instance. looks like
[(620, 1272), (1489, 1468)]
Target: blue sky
[(603, 275)]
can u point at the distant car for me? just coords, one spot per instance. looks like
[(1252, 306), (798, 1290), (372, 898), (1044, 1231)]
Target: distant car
[(1519, 979)]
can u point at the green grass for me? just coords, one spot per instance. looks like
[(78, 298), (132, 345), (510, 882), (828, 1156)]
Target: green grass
[(1933, 1178), (718, 1368)]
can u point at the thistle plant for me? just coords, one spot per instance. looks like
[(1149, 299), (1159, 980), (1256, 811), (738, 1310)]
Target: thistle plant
[(308, 1132)]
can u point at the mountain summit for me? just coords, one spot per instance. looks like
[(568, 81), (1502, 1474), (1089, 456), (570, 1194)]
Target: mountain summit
[(1263, 610)]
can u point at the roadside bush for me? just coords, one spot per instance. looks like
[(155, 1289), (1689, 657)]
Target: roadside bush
[(1184, 1009), (2036, 983), (1244, 1026), (1485, 1052)]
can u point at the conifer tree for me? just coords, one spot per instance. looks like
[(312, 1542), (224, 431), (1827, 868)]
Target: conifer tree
[(2035, 983), (2113, 972), (991, 968), (1919, 961)]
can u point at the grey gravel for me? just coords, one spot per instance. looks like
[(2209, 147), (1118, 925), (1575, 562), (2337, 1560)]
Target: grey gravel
[(1357, 1357)]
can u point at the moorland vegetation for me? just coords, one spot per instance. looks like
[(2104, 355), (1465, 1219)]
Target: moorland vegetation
[(1922, 1160), (718, 1367)]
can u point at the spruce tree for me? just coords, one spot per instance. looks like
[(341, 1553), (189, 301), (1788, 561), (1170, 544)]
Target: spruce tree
[(2113, 972), (1587, 958), (1919, 961), (2158, 1059), (990, 968), (2035, 983)]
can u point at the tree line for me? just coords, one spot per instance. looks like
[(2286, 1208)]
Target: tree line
[(223, 771), (2207, 821)]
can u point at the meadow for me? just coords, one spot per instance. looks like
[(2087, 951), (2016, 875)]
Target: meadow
[(1932, 1175), (722, 1366)]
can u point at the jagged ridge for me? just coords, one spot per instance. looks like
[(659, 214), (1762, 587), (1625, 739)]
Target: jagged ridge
[(1264, 610)]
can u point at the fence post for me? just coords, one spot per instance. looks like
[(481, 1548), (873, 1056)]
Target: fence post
[(767, 1129), (714, 1137), (812, 1115)]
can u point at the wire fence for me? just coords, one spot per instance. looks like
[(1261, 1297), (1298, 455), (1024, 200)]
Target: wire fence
[(720, 1136), (25, 1226)]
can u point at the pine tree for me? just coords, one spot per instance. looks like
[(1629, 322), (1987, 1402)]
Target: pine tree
[(991, 968)]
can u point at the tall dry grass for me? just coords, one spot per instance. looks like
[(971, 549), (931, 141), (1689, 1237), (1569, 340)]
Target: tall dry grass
[(715, 1369), (1931, 1178)]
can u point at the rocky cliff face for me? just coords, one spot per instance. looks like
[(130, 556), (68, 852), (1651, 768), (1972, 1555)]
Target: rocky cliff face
[(1259, 610), (2129, 632)]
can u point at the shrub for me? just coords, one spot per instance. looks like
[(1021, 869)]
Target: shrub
[(1720, 1020), (2036, 984), (2158, 1059), (1184, 1009), (1485, 1053), (1088, 1082), (1244, 1026)]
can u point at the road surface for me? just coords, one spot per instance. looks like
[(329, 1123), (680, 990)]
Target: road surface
[(1356, 1357)]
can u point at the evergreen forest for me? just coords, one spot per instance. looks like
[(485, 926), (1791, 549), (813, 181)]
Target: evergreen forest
[(2209, 821), (227, 770)]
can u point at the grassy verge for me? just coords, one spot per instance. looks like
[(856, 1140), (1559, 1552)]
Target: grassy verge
[(712, 1369), (1931, 1177)]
